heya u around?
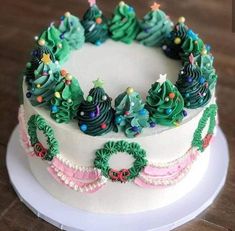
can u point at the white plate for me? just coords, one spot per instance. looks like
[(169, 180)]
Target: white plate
[(65, 217)]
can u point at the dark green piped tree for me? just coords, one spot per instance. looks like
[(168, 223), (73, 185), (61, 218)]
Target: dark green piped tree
[(95, 25), (36, 56), (47, 76), (193, 85), (173, 43), (95, 114)]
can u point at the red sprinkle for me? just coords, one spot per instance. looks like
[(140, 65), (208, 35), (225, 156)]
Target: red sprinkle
[(63, 72), (103, 125), (39, 99)]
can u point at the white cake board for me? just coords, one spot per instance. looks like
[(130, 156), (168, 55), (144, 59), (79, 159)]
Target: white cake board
[(65, 217)]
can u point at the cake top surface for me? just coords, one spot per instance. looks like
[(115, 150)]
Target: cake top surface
[(120, 66)]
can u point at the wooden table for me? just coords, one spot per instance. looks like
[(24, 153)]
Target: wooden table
[(20, 21)]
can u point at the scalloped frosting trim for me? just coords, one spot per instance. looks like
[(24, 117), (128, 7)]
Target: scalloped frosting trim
[(24, 137), (90, 179)]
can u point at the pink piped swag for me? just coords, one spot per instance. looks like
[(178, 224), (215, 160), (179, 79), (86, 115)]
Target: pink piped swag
[(90, 179), (87, 180)]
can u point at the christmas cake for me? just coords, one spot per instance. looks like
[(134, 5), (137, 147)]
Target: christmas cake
[(118, 114)]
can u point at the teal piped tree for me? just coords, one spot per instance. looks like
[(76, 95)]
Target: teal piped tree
[(67, 98), (193, 85), (95, 114), (51, 38), (131, 116), (165, 103), (95, 25), (154, 27), (173, 43), (124, 25), (72, 31), (206, 63)]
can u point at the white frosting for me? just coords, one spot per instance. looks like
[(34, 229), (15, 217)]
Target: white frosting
[(120, 66)]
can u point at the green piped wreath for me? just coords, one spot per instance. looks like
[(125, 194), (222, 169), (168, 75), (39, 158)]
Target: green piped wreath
[(209, 114), (37, 122), (103, 155)]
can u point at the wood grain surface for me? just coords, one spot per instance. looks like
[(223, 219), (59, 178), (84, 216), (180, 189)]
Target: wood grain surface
[(20, 21)]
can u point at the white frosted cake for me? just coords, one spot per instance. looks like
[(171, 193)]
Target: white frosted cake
[(139, 139)]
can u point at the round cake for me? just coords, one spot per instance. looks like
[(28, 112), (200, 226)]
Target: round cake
[(118, 114)]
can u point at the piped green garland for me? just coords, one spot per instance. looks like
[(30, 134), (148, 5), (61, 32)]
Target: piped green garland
[(37, 122), (209, 114), (134, 149)]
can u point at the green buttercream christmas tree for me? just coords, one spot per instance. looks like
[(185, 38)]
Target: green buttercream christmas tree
[(131, 116), (67, 98), (95, 114), (206, 63), (192, 45), (51, 38), (36, 56), (164, 103), (124, 25), (95, 25), (173, 42), (72, 31), (155, 27), (193, 85), (47, 76)]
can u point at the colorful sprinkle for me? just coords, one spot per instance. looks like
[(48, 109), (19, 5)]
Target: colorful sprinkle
[(63, 72), (39, 99), (103, 126), (129, 90), (152, 124), (54, 109), (135, 129), (57, 95), (177, 41), (92, 115), (118, 119), (28, 94), (142, 112), (83, 127), (98, 20), (172, 95), (168, 111), (185, 113), (89, 98)]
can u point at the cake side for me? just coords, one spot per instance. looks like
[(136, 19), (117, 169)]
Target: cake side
[(162, 145)]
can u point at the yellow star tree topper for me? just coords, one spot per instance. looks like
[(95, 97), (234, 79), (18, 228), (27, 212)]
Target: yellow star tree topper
[(46, 58)]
